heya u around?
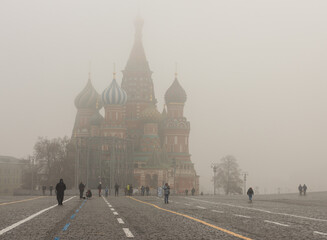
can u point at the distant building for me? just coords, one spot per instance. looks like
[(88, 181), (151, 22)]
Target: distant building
[(160, 141), (10, 174)]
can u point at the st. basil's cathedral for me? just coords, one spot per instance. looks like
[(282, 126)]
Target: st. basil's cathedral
[(133, 143)]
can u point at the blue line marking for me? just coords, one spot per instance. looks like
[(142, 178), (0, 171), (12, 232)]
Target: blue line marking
[(66, 226), (72, 217), (77, 210), (56, 238)]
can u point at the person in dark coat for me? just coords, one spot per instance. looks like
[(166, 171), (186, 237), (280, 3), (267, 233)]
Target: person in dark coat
[(304, 189), (166, 189), (300, 189), (51, 188), (81, 190), (60, 189), (193, 191), (88, 194), (117, 190), (43, 190), (147, 189), (250, 193), (186, 192), (131, 190), (142, 190), (99, 188)]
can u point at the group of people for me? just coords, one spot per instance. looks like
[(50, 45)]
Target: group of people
[(44, 188), (192, 191), (129, 190), (145, 189), (302, 189)]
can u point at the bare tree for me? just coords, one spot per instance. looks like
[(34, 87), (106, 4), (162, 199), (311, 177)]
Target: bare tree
[(228, 175), (54, 159)]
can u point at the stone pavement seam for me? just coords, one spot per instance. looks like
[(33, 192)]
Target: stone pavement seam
[(261, 210), (25, 200), (72, 217), (195, 219), (29, 218), (127, 232)]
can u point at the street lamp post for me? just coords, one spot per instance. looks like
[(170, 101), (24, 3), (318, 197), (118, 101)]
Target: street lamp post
[(244, 182), (214, 167)]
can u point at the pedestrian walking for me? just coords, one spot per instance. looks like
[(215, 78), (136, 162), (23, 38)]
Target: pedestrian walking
[(131, 190), (117, 190), (193, 191), (81, 190), (304, 189), (166, 189), (250, 193), (147, 189), (142, 190), (300, 189), (106, 191), (127, 189), (100, 188), (60, 189), (51, 188), (43, 190), (186, 192)]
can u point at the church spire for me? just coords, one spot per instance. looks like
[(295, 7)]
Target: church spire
[(137, 61)]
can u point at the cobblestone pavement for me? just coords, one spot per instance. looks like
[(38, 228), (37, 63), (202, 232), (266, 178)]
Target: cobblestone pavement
[(185, 217)]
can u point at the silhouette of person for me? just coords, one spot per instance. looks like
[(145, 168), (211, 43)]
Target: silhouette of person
[(60, 189)]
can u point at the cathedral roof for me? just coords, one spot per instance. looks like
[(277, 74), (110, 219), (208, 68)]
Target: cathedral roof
[(96, 119), (175, 93), (114, 94), (150, 114), (88, 97)]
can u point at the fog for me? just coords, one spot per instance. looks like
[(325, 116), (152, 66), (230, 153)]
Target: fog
[(254, 72)]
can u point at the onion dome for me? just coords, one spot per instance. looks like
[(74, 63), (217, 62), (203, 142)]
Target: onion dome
[(150, 114), (88, 98), (175, 93), (114, 94), (96, 119)]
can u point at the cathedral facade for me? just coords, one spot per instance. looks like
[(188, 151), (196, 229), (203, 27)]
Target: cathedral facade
[(159, 140)]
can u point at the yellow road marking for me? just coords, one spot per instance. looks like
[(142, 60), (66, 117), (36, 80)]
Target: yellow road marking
[(25, 200), (195, 219)]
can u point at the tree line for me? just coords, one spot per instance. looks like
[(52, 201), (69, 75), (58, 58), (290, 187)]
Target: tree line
[(51, 160)]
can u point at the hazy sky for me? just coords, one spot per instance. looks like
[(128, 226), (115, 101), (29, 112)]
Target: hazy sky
[(254, 72)]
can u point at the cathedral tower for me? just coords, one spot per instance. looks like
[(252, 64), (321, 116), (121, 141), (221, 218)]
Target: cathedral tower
[(114, 99), (88, 104), (137, 83)]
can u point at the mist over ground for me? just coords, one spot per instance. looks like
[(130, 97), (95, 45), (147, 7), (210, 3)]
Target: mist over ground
[(254, 72)]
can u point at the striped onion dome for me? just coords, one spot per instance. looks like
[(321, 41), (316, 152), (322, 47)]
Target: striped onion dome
[(150, 114), (88, 98), (114, 94), (175, 93)]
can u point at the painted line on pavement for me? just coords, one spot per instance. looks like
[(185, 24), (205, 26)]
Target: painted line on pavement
[(25, 200), (243, 216), (128, 233), (320, 233), (187, 204), (30, 217), (120, 220), (217, 211), (115, 213), (200, 207), (277, 223), (195, 219), (66, 226), (112, 209), (262, 210)]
